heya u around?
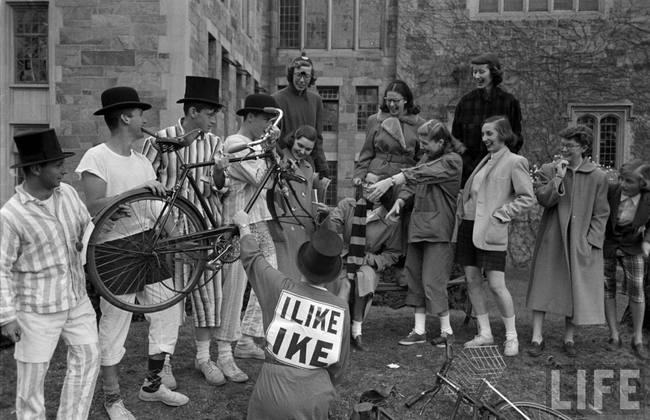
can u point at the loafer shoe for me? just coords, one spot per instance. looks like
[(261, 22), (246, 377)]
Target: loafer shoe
[(443, 338), (570, 349), (357, 343), (164, 395), (478, 341), (413, 338), (117, 411), (210, 372), (536, 349)]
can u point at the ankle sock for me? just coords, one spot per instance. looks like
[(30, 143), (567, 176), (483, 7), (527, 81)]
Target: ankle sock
[(445, 325), (420, 323), (355, 329), (511, 330), (246, 340), (484, 328), (202, 351), (224, 349)]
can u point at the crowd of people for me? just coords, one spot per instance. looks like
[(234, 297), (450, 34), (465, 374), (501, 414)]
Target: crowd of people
[(426, 197)]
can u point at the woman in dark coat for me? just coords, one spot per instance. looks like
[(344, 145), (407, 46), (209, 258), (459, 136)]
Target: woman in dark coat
[(567, 274)]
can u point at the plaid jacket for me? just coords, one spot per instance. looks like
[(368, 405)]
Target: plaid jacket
[(471, 111)]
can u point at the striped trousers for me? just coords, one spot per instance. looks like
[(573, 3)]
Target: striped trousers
[(234, 285)]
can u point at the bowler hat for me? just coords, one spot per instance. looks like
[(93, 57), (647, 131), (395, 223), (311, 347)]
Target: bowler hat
[(319, 260), (201, 89), (120, 97), (256, 103), (37, 147)]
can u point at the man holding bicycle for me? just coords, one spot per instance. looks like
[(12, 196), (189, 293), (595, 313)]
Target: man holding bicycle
[(107, 170), (200, 107)]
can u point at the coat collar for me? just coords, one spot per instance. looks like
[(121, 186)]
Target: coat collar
[(410, 119), (586, 166)]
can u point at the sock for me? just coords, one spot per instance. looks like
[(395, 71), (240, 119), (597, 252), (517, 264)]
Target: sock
[(110, 386), (445, 325), (225, 349), (246, 340), (511, 331), (484, 325), (356, 329), (420, 323), (202, 351), (155, 366)]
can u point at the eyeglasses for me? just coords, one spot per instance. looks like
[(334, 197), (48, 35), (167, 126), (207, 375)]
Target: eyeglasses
[(394, 100), (302, 75), (569, 146)]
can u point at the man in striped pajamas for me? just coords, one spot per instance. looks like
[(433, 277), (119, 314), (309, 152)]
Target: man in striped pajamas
[(42, 284), (200, 106)]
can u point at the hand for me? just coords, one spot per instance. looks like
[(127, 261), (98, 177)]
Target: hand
[(12, 331), (645, 246), (220, 162), (155, 187), (395, 212), (325, 180), (241, 219), (356, 181), (321, 208), (274, 133), (376, 190), (560, 167), (122, 211)]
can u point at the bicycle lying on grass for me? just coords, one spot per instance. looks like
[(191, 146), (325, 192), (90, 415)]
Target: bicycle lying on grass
[(468, 375)]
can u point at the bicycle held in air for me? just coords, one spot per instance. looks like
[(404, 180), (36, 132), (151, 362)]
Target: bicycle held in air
[(467, 376), (165, 243)]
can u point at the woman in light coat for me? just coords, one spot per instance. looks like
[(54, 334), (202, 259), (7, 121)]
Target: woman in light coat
[(567, 273), (498, 190)]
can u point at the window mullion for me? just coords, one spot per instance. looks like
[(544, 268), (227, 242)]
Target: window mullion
[(329, 25), (303, 24)]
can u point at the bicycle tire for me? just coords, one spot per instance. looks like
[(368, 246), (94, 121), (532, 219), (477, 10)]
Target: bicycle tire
[(533, 410), (129, 251)]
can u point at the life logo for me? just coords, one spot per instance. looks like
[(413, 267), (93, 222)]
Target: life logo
[(304, 332)]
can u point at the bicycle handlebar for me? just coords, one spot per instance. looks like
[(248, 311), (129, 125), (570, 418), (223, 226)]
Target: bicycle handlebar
[(179, 141)]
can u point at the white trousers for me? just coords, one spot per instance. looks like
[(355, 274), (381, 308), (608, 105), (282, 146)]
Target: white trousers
[(115, 322)]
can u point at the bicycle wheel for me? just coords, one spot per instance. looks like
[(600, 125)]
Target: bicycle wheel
[(145, 255), (533, 410)]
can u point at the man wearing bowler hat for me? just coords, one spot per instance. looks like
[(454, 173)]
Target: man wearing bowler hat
[(306, 328), (107, 170), (242, 180), (200, 107), (42, 283), (487, 100)]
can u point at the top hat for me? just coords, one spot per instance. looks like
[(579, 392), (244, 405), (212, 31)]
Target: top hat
[(38, 147), (319, 260), (201, 89), (120, 97), (257, 102)]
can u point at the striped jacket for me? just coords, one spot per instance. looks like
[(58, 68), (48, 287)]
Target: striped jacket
[(167, 168), (40, 253)]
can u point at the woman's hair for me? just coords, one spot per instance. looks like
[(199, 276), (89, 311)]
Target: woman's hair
[(306, 131), (637, 169), (494, 66), (504, 129), (436, 130), (303, 60), (403, 89), (581, 134)]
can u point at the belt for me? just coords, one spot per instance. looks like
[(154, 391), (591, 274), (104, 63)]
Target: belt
[(394, 158)]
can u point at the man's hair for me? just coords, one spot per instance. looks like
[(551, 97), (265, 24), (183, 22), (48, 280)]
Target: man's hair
[(112, 118), (638, 169), (199, 106)]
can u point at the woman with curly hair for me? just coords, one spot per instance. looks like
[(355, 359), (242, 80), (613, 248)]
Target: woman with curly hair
[(392, 136), (567, 273)]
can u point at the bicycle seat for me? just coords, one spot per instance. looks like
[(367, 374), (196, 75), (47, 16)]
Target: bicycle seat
[(169, 145)]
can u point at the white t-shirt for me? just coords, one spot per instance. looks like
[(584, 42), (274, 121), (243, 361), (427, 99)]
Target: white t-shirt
[(121, 174)]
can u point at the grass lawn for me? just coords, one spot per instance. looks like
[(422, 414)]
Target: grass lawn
[(524, 379)]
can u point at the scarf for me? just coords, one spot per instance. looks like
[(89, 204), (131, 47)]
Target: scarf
[(357, 247)]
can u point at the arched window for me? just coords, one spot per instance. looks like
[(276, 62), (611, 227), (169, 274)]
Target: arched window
[(609, 129)]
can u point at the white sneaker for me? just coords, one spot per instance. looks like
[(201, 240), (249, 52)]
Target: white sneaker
[(231, 370), (166, 375), (478, 341), (249, 351), (164, 395), (117, 411), (210, 372), (511, 347)]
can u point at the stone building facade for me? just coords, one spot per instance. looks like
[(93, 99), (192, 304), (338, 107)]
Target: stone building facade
[(566, 60)]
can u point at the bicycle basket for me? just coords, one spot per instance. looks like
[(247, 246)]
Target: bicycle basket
[(474, 364)]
